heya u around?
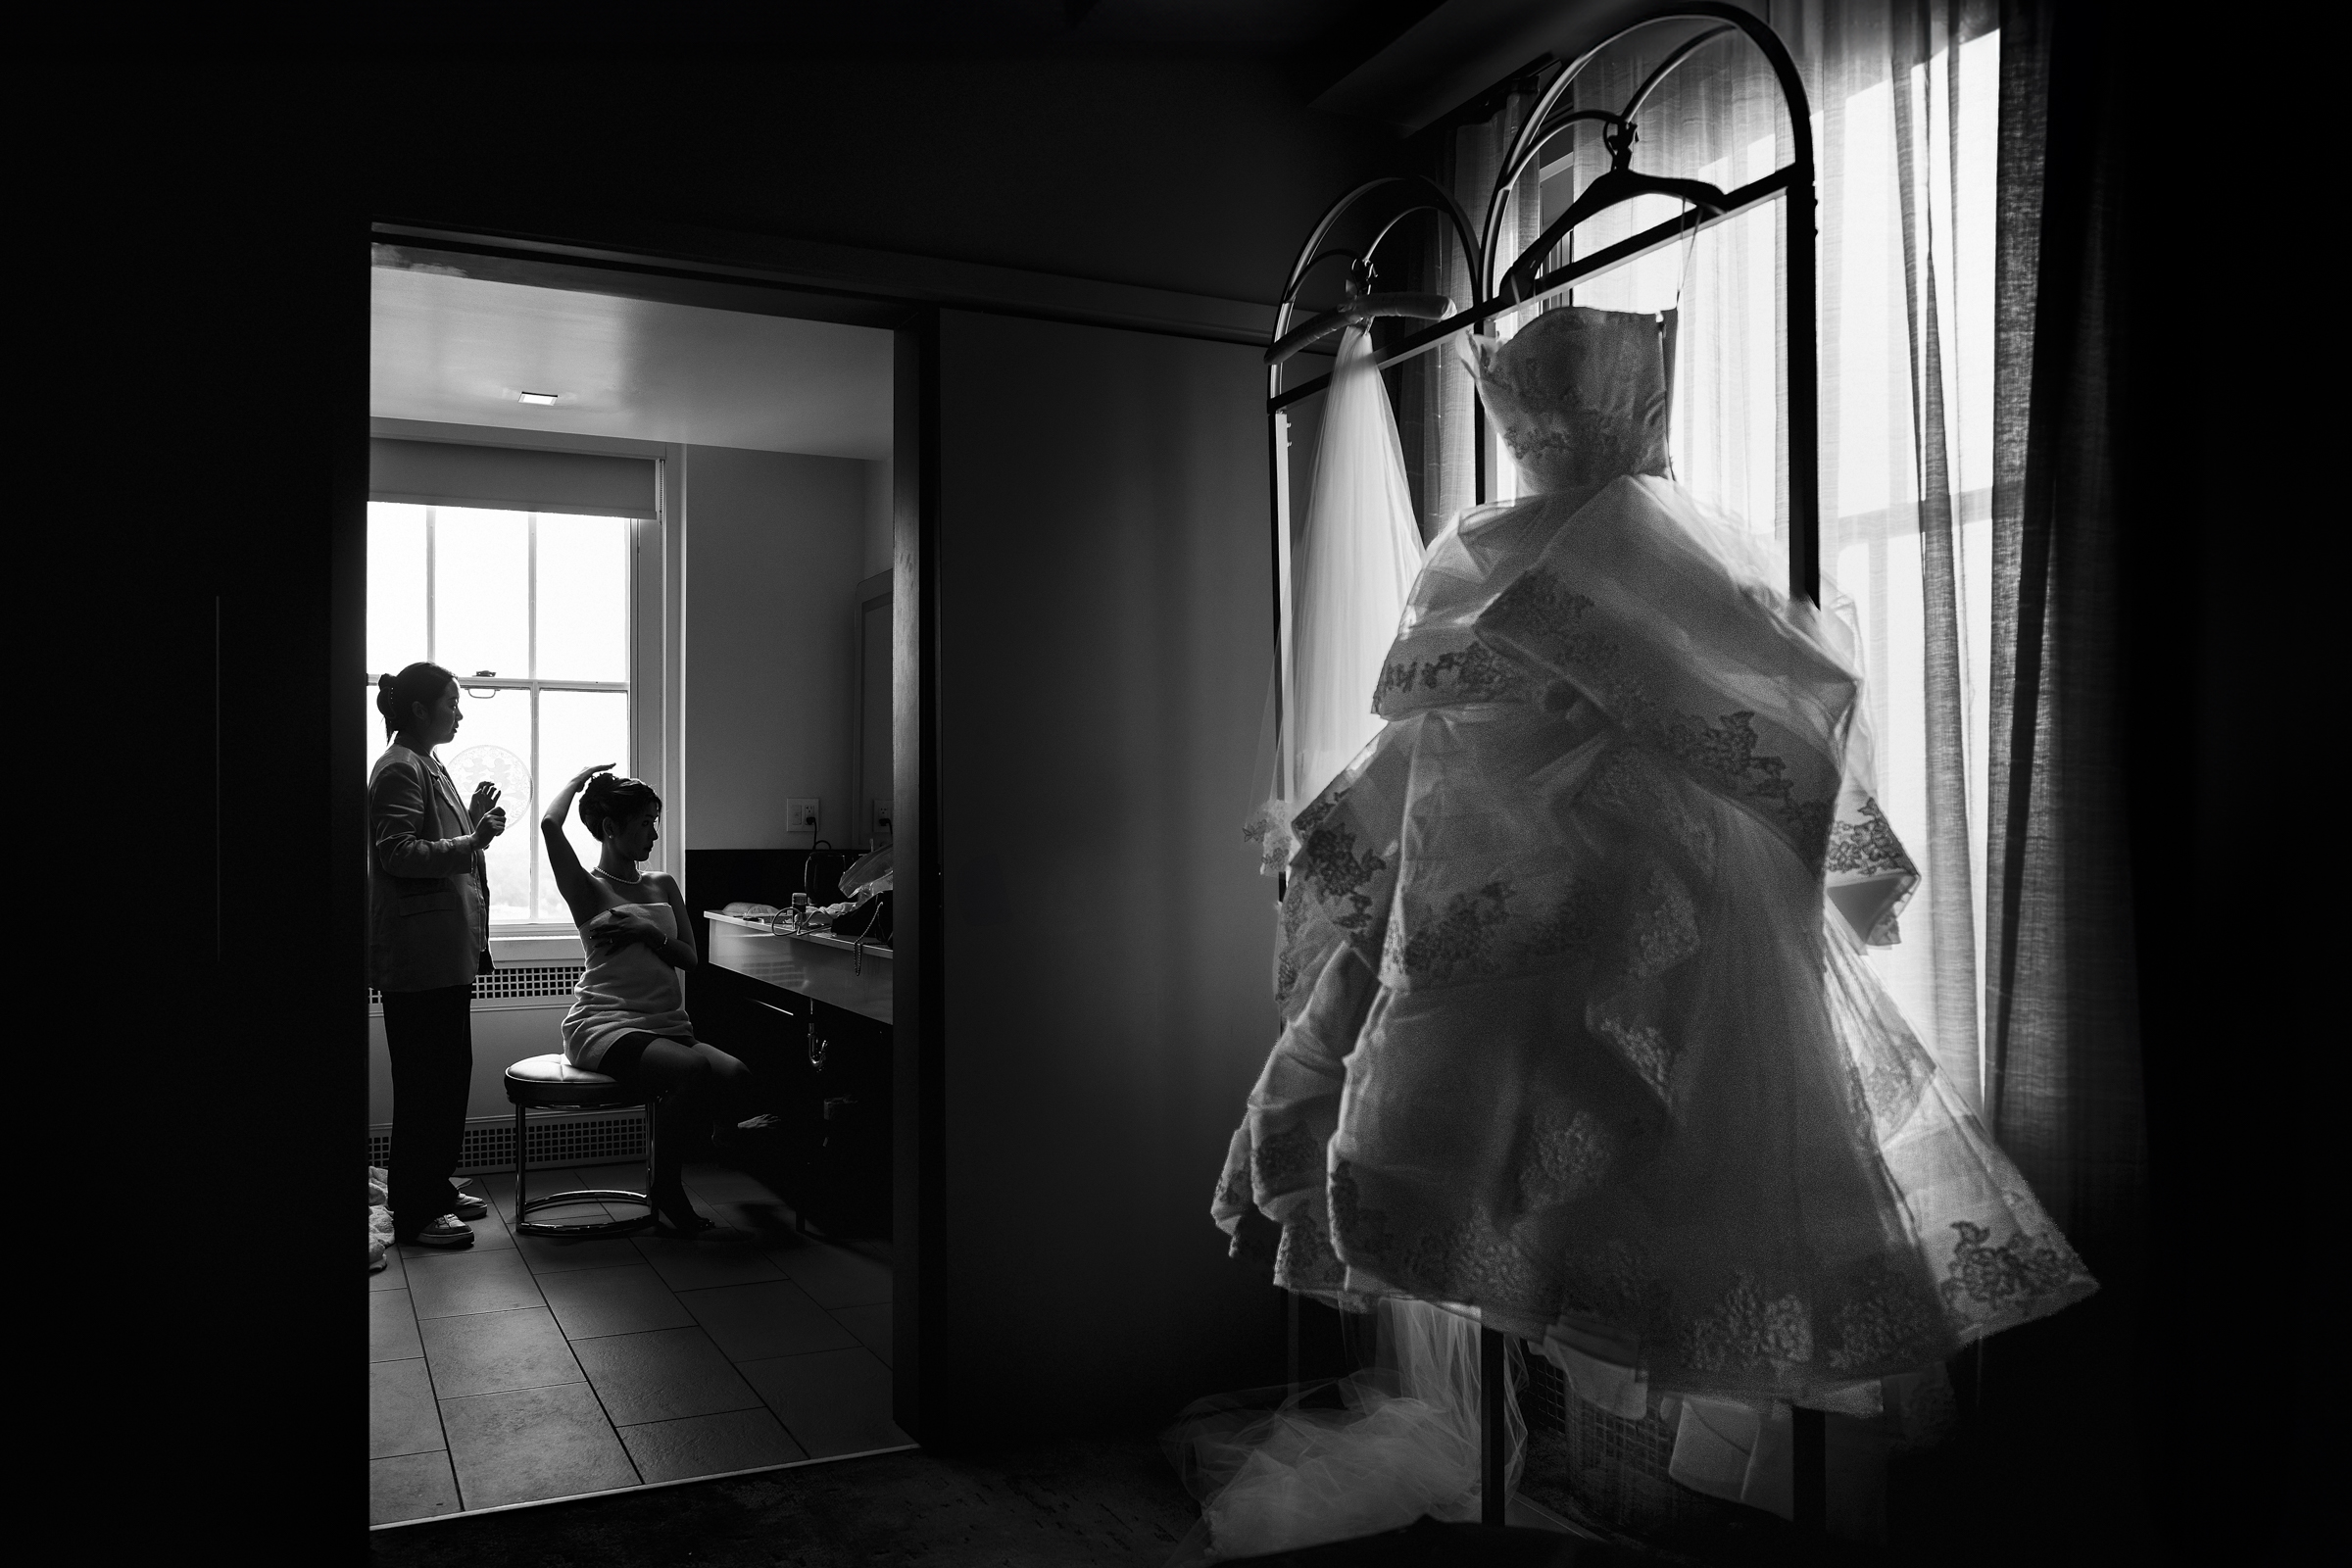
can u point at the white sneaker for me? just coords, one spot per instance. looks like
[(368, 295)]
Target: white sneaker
[(446, 1230)]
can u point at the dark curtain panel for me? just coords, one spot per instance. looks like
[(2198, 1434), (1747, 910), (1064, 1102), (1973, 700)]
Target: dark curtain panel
[(2063, 1037), (2090, 1424)]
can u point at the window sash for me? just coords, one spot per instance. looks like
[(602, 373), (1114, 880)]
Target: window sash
[(533, 685)]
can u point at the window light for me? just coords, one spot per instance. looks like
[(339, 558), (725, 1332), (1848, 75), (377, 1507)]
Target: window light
[(543, 399)]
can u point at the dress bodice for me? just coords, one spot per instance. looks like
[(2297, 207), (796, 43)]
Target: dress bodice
[(1578, 396)]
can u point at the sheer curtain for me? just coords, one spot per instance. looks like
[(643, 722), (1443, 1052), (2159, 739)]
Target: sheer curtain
[(1904, 101)]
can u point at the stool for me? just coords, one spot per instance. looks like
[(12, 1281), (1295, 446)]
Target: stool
[(546, 1082)]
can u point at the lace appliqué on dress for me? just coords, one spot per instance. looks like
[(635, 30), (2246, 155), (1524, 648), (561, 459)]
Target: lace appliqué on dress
[(1643, 1048), (1459, 945), (1725, 755), (1567, 1155), (1635, 786), (1462, 1263), (1891, 1320), (1284, 1160), (1543, 613), (1992, 1279), (1472, 673), (1866, 846), (1747, 1329), (1328, 861)]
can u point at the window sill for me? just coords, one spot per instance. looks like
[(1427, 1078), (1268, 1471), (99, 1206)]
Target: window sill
[(548, 944)]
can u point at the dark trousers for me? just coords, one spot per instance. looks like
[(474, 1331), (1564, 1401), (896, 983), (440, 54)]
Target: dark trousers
[(430, 1034)]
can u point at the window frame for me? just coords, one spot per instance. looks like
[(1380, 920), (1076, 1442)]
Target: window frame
[(535, 929)]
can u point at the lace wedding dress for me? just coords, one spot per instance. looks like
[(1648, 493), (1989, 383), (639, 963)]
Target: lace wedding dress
[(1580, 1033)]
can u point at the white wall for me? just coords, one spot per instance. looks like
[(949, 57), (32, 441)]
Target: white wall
[(775, 544)]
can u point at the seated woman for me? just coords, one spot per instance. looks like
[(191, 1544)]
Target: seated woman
[(630, 1020)]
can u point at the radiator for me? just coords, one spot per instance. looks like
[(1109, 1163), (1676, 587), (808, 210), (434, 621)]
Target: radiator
[(555, 1138), (526, 985)]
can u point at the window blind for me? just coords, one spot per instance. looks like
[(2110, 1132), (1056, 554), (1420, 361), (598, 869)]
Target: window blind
[(509, 478)]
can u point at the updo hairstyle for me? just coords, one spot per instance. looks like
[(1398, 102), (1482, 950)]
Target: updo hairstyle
[(612, 801), (397, 695)]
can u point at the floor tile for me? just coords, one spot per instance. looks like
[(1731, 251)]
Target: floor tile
[(752, 1322), (723, 1257), (560, 1254), (768, 1218), (725, 1184), (471, 1282), (661, 1375), (531, 1443), (583, 1210), (401, 1417), (832, 1402), (415, 1486), (833, 1275), (871, 1325), (490, 1353), (489, 1235), (593, 1301), (392, 1276), (391, 1327), (709, 1445), (552, 1179)]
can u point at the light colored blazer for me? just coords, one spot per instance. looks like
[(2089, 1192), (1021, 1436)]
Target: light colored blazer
[(428, 894)]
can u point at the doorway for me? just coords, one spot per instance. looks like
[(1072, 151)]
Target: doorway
[(659, 518)]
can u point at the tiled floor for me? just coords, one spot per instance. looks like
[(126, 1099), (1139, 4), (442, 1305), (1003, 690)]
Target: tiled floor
[(529, 1367)]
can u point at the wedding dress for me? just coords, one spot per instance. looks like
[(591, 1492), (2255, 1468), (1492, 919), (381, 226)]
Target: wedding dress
[(1579, 1029)]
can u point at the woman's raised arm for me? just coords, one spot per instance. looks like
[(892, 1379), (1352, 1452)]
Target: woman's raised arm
[(571, 878)]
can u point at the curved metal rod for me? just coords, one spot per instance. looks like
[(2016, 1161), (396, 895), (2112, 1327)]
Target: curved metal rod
[(1310, 254), (1363, 308), (1291, 292), (1509, 174), (1656, 237), (1690, 47), (1616, 185), (1767, 42)]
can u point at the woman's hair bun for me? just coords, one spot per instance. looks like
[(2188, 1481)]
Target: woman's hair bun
[(610, 800), (395, 695)]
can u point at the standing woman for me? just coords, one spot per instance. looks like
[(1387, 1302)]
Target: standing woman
[(428, 935), (630, 1020)]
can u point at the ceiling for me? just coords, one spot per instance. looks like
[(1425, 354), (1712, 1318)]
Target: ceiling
[(459, 350)]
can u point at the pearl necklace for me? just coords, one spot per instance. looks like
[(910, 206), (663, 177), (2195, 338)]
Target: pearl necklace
[(632, 881)]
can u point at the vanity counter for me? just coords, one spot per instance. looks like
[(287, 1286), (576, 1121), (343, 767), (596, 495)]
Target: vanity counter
[(816, 964)]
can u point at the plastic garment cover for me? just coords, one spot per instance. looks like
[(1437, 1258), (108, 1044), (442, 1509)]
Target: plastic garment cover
[(379, 1221), (1357, 562), (1366, 1454), (1574, 1032)]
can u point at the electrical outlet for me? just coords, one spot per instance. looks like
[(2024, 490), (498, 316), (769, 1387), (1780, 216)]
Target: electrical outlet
[(800, 814), (880, 811)]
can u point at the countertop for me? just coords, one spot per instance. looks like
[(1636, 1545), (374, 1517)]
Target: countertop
[(818, 965)]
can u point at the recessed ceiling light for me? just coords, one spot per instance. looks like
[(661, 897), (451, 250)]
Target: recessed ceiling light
[(541, 398)]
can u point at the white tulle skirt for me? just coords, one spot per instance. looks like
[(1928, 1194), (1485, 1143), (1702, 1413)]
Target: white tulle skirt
[(1350, 1457)]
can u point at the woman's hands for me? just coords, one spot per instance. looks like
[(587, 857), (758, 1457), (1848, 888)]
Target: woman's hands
[(560, 807), (488, 816), (617, 928)]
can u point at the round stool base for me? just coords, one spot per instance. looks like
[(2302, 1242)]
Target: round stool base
[(526, 1226)]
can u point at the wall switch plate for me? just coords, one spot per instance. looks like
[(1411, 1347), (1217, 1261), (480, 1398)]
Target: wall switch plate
[(800, 814)]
